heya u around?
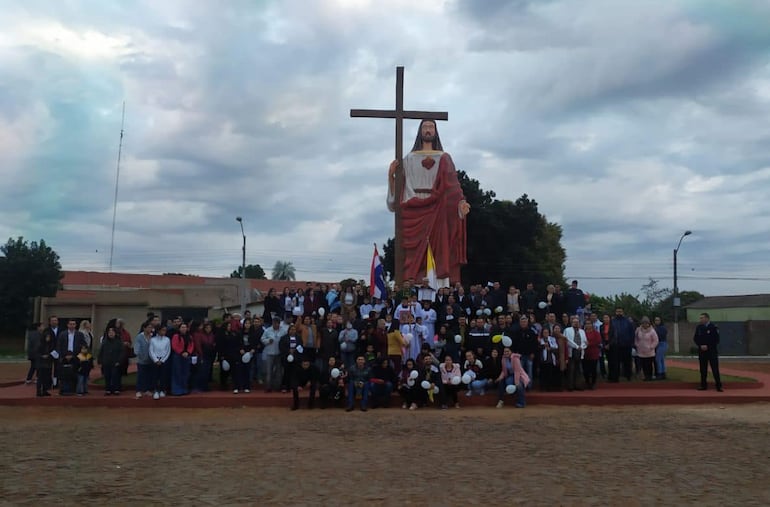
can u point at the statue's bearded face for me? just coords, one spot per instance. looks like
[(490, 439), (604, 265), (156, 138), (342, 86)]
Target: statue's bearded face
[(428, 132)]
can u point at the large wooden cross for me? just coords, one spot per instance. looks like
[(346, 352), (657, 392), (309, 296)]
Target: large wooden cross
[(399, 115)]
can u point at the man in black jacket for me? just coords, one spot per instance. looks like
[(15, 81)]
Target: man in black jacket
[(305, 377), (70, 340), (525, 343), (707, 340)]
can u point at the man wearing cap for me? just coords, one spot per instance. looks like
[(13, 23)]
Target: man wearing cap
[(707, 340)]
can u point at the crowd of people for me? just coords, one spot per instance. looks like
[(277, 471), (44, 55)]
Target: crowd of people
[(343, 347)]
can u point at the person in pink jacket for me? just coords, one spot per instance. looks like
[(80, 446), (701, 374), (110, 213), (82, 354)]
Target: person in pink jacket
[(645, 341), (182, 348)]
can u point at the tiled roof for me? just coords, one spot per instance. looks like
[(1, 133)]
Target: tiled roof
[(94, 279), (747, 301)]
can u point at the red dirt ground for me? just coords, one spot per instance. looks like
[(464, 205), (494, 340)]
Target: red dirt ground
[(677, 455)]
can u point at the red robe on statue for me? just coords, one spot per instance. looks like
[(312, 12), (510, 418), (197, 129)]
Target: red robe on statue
[(435, 218)]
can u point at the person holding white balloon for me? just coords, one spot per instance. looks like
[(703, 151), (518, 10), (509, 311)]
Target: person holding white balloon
[(450, 382), (348, 338), (406, 385), (473, 374), (428, 381), (332, 383), (512, 380), (291, 347)]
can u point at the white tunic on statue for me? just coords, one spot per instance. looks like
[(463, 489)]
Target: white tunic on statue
[(416, 180)]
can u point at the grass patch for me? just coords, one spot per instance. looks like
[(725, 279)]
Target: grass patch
[(687, 375), (12, 348)]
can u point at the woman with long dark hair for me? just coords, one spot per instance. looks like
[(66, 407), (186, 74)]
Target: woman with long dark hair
[(182, 347), (44, 362), (273, 306), (110, 357)]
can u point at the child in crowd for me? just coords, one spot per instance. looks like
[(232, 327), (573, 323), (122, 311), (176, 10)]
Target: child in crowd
[(85, 365), (68, 374)]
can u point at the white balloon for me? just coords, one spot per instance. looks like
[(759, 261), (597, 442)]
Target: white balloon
[(499, 309), (300, 349), (344, 346), (425, 384), (479, 313), (458, 338), (542, 305), (507, 342), (466, 379), (413, 374), (290, 358), (246, 357), (456, 380), (409, 337), (410, 382), (296, 311), (321, 312), (487, 311), (435, 389), (335, 372), (54, 354), (510, 389), (225, 365), (472, 374)]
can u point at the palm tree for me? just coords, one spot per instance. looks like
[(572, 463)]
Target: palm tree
[(283, 270)]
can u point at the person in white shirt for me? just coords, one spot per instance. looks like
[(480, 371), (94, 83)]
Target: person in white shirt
[(577, 343), (365, 308), (429, 318)]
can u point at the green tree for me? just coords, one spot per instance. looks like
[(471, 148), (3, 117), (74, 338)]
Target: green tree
[(283, 270), (27, 270), (388, 259), (653, 293), (253, 271)]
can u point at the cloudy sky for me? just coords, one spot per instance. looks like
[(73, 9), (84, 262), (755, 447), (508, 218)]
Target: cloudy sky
[(629, 122)]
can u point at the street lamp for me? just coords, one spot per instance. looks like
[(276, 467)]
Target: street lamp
[(677, 302), (243, 268)]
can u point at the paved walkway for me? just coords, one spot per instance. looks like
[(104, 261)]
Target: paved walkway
[(624, 393)]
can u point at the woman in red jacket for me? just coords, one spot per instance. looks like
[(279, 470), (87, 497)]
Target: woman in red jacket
[(591, 354), (182, 347)]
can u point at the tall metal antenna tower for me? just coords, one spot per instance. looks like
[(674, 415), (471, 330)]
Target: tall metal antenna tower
[(117, 183)]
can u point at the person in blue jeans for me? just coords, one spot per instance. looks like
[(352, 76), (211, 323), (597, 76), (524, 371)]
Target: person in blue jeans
[(358, 383), (661, 349), (512, 374)]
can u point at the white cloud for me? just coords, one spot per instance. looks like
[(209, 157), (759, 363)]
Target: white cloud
[(610, 115)]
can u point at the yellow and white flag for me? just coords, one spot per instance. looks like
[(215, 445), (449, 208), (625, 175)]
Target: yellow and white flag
[(430, 269)]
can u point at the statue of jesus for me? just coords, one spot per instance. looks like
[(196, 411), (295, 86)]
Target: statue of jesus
[(433, 209)]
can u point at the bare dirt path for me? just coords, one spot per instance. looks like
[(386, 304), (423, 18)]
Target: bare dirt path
[(558, 455)]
